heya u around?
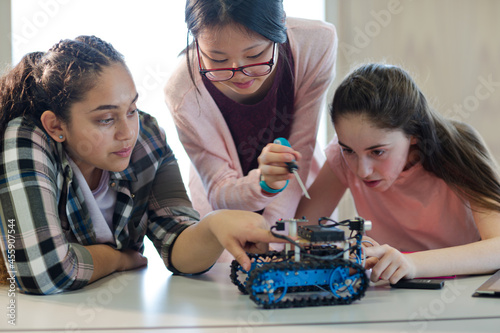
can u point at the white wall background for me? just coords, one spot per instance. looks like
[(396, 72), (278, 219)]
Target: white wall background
[(451, 47), (150, 34)]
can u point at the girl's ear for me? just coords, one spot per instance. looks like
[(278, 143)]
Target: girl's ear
[(53, 126), (413, 140)]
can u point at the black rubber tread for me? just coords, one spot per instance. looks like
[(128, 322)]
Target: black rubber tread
[(236, 267), (276, 256), (287, 266)]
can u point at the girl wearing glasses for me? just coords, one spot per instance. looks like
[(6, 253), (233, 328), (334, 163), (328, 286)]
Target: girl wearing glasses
[(428, 184), (85, 176), (251, 75)]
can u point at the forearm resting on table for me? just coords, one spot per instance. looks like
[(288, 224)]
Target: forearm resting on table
[(107, 260), (475, 258)]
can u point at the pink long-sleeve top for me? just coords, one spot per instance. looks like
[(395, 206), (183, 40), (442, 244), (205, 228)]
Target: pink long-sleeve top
[(217, 181)]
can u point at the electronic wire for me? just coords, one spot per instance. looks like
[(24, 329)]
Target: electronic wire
[(312, 256)]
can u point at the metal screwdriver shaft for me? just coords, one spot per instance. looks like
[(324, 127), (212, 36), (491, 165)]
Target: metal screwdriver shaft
[(292, 166), (304, 190)]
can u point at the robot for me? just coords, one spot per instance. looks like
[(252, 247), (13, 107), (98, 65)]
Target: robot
[(324, 268)]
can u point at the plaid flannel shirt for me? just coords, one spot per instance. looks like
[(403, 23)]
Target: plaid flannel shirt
[(44, 218)]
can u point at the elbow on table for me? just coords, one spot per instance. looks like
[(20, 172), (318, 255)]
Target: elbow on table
[(63, 276), (38, 286)]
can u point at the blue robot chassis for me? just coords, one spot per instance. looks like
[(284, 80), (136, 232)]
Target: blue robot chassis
[(324, 268)]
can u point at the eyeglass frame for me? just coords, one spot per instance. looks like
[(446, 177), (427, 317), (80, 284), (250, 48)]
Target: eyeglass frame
[(204, 72)]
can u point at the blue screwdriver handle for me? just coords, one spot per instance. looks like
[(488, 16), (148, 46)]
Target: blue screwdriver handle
[(284, 142)]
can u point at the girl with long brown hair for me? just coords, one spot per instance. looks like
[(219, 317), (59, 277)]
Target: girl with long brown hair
[(428, 184)]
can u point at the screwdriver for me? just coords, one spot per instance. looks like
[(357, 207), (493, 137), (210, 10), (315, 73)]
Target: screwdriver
[(292, 166)]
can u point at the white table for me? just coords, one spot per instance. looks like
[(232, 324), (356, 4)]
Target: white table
[(152, 300)]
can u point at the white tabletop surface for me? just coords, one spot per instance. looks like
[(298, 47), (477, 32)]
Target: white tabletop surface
[(153, 300)]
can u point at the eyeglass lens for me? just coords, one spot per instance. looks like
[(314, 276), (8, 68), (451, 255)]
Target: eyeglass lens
[(251, 71)]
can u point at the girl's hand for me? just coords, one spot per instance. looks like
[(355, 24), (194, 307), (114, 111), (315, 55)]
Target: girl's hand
[(391, 265), (272, 164), (130, 259), (240, 232), (369, 242), (108, 260)]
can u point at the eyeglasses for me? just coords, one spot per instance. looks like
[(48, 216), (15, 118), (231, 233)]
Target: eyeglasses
[(224, 74)]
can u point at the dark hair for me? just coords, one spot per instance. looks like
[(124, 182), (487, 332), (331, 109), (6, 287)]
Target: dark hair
[(265, 17), (54, 80), (452, 150)]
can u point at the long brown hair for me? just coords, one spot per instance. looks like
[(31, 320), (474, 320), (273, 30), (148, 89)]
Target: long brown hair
[(54, 80), (452, 150)]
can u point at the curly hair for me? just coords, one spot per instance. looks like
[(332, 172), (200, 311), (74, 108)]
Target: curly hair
[(54, 80)]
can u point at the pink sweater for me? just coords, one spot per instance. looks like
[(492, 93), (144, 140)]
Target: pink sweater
[(218, 182), (418, 212)]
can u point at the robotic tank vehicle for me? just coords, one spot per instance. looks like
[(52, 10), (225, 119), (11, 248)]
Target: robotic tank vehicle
[(324, 268)]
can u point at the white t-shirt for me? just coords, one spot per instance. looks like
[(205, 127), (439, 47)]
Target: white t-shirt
[(100, 203)]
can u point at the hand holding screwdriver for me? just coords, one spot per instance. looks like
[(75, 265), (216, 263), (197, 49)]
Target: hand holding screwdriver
[(292, 166), (277, 163)]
